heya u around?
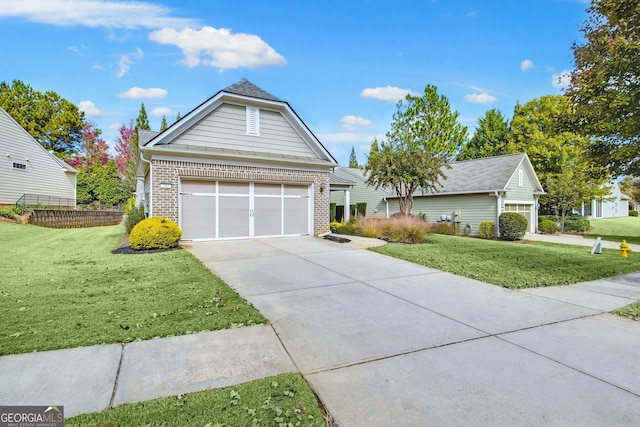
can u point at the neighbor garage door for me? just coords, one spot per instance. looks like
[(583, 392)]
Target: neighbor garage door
[(224, 210), (522, 209)]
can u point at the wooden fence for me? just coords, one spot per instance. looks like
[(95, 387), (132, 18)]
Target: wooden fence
[(73, 219)]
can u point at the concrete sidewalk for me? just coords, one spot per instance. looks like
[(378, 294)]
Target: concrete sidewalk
[(575, 239), (90, 379)]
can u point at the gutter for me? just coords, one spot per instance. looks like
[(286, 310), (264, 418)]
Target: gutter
[(387, 207), (498, 210)]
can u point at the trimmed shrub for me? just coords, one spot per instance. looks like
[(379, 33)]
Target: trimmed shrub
[(334, 226), (349, 229), (134, 216), (358, 209), (576, 223), (548, 226), (6, 213), (487, 230), (155, 233), (512, 226), (633, 213)]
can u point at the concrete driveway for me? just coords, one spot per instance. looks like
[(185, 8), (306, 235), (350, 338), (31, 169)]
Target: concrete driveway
[(387, 342)]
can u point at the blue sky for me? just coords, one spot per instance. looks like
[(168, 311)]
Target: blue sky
[(341, 65)]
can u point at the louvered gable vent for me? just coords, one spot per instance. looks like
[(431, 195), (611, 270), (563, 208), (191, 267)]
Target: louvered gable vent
[(253, 121)]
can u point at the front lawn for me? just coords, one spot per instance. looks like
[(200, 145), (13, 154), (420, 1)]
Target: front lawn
[(514, 264), (616, 229), (64, 288), (284, 400)]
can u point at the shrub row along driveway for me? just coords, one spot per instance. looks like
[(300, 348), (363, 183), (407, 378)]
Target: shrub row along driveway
[(387, 342)]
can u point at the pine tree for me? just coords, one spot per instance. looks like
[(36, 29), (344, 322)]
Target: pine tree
[(353, 160), (163, 123)]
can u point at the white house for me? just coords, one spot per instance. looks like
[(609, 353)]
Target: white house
[(616, 204), (29, 174)]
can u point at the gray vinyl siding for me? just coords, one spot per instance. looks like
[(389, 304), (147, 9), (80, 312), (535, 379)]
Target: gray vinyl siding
[(44, 174), (473, 208), (515, 192), (362, 193), (225, 128)]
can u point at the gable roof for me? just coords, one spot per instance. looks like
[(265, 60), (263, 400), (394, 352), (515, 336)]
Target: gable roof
[(485, 175), (66, 167), (241, 93), (360, 175)]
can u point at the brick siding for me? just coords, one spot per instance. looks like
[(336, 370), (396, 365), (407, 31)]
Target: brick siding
[(165, 200)]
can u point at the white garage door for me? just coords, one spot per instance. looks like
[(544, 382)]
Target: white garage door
[(522, 209), (225, 210)]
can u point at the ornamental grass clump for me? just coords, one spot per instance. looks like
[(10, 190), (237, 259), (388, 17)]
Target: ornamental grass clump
[(512, 226), (155, 233), (370, 227), (409, 229)]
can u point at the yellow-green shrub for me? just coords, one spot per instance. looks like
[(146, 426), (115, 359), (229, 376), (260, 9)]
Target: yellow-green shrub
[(487, 230), (155, 233)]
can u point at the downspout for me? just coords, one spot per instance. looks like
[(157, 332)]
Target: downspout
[(387, 207), (150, 184), (498, 210)]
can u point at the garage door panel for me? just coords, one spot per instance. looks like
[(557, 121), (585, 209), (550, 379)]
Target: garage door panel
[(267, 189), (233, 217), (296, 216), (198, 217), (199, 187), (296, 190), (233, 188), (267, 219)]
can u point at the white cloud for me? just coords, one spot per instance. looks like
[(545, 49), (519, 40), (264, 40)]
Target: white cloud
[(527, 64), (350, 122), (125, 62), (480, 98), (561, 80), (162, 111), (94, 13), (140, 93), (89, 108), (387, 93), (219, 48)]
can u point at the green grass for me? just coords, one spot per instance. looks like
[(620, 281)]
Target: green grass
[(284, 400), (616, 229), (632, 311), (64, 288), (514, 264)]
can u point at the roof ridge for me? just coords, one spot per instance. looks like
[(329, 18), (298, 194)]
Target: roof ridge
[(246, 88)]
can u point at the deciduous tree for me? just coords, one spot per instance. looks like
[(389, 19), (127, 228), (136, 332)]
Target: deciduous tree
[(605, 84)]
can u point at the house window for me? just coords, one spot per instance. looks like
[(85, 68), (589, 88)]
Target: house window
[(253, 121), (520, 178), (20, 166)]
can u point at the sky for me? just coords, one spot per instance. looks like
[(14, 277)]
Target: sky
[(341, 65)]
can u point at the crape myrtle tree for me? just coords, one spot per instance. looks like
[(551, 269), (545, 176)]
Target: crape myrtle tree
[(425, 136), (50, 119), (605, 84)]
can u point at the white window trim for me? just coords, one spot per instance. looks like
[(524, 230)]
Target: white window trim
[(253, 121)]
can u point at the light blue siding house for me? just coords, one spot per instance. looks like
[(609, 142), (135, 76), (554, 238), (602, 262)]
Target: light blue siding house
[(474, 191)]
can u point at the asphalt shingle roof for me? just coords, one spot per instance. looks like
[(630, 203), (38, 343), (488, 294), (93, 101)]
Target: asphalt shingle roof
[(246, 88), (478, 175)]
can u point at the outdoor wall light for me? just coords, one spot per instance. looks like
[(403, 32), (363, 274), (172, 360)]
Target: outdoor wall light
[(321, 188)]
